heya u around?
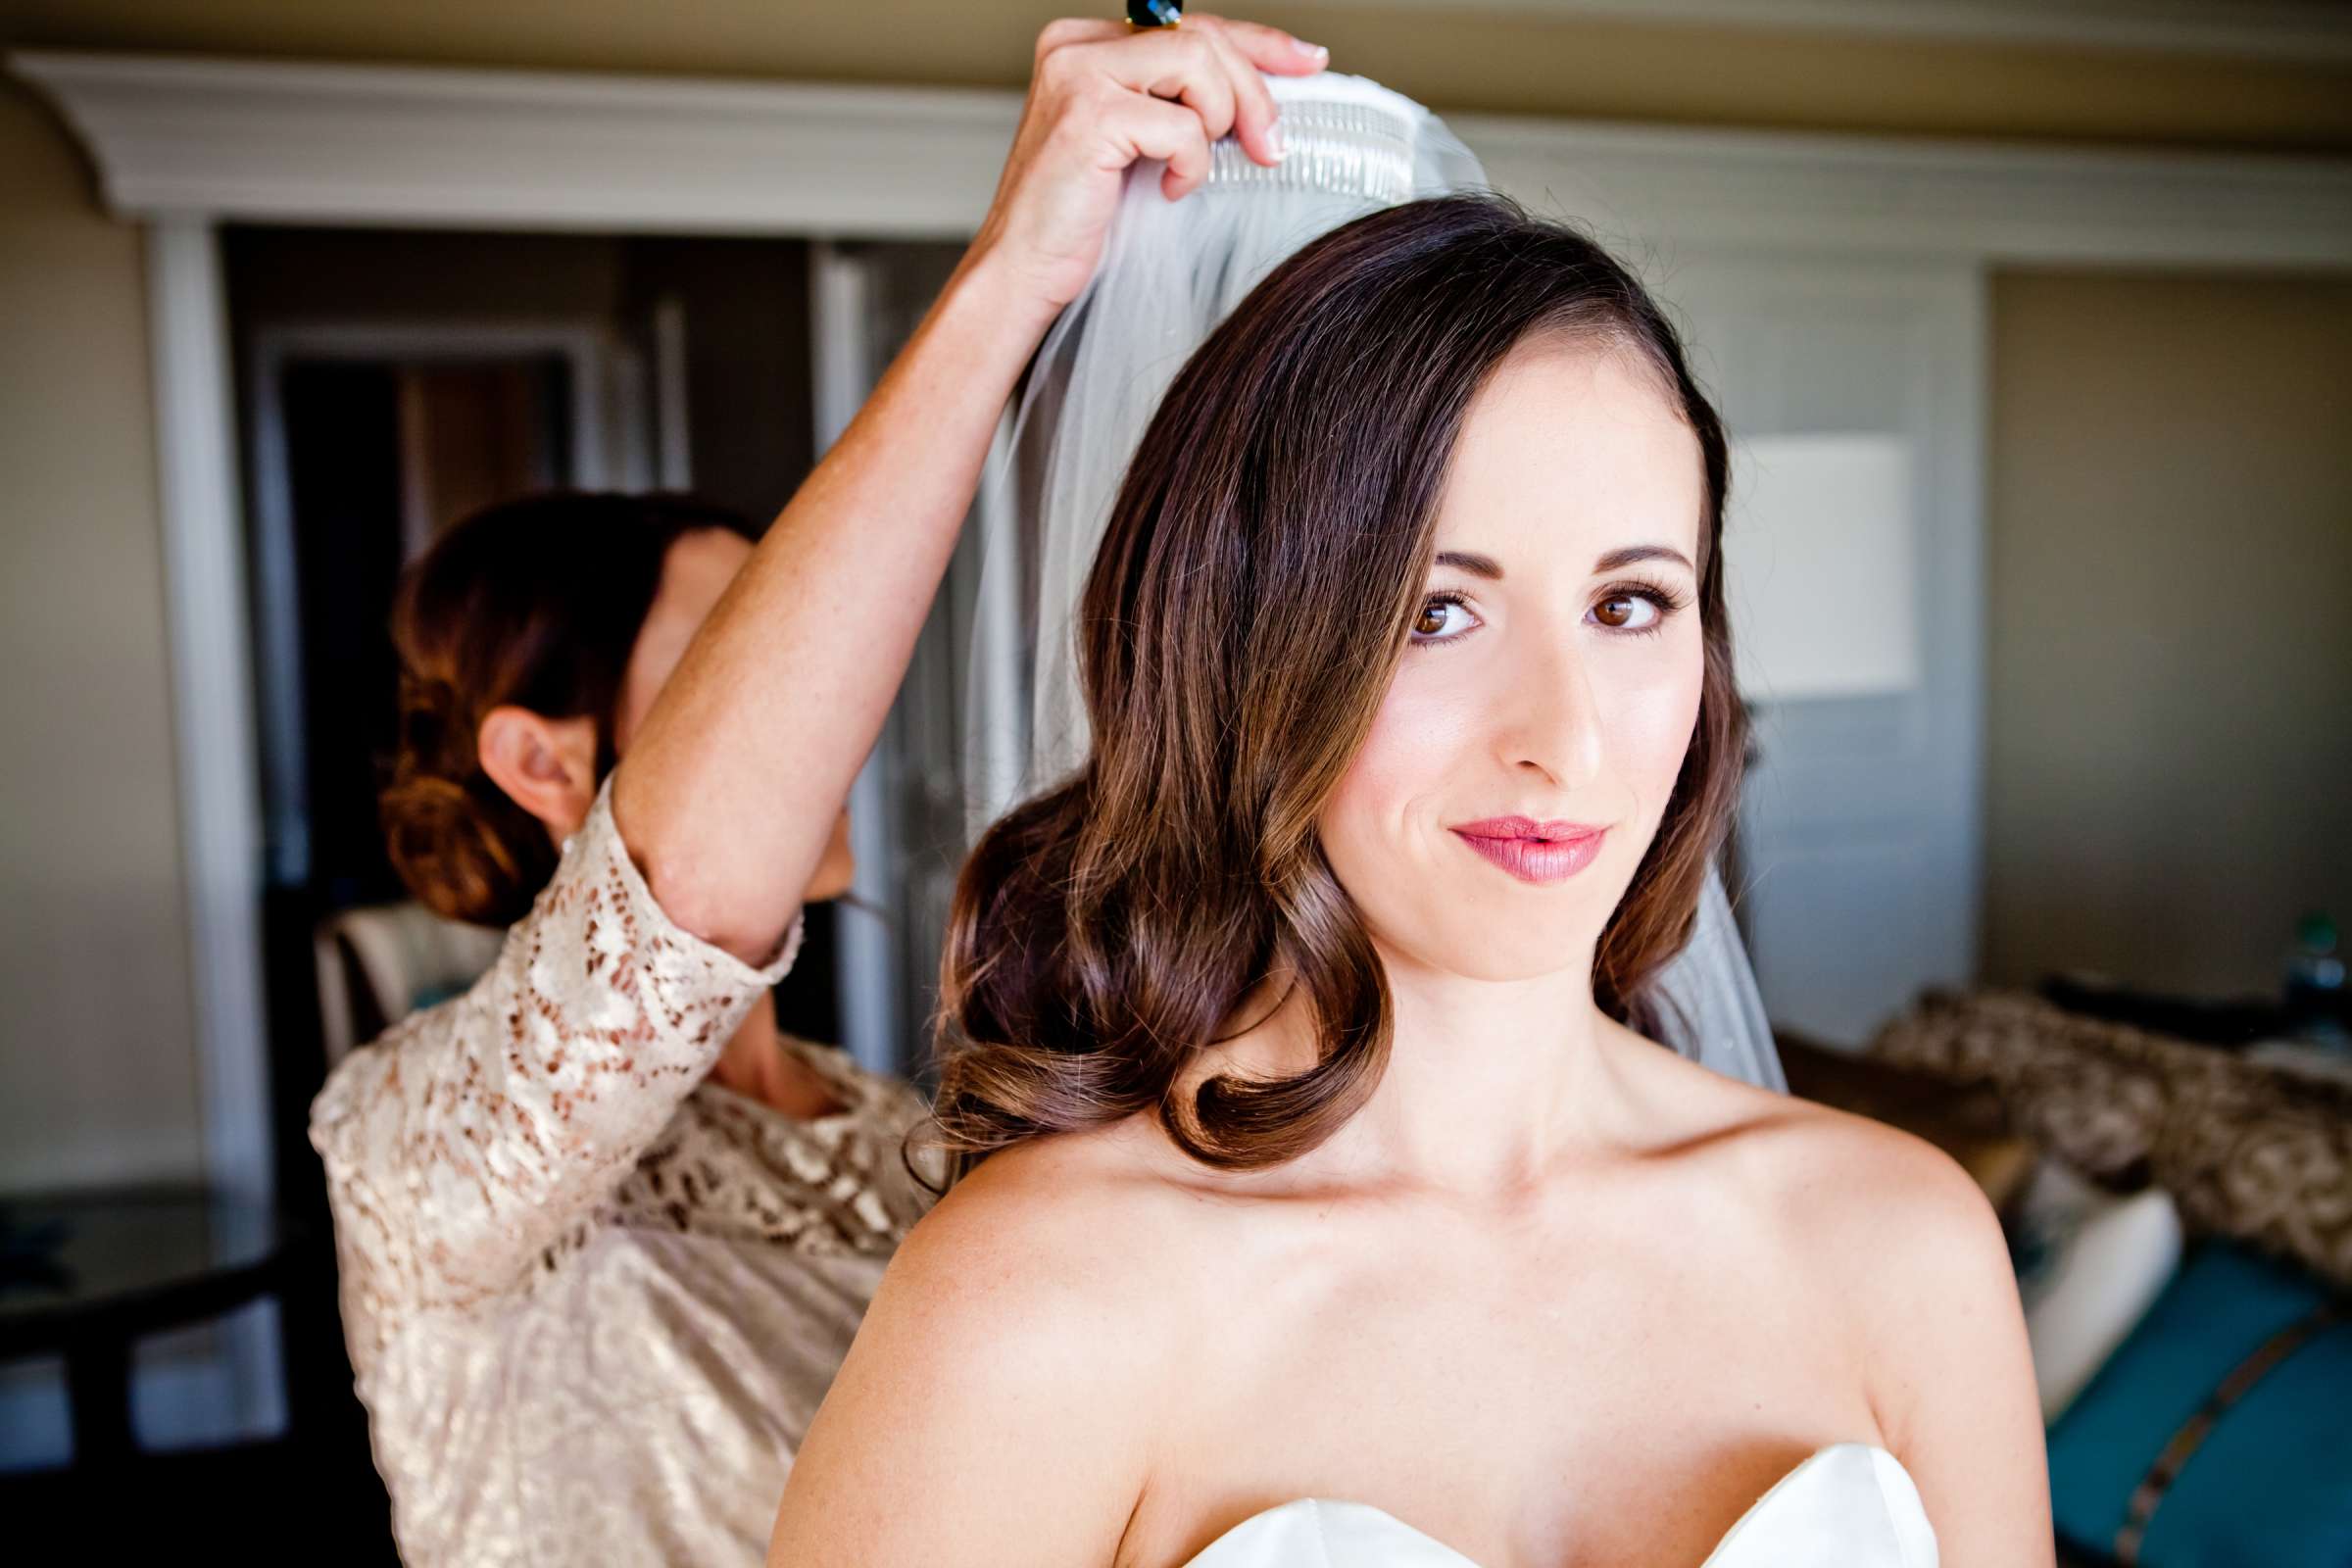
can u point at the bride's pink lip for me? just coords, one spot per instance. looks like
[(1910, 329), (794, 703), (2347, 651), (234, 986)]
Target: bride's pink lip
[(1533, 856), (1525, 827)]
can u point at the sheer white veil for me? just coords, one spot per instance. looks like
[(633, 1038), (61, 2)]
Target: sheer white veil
[(1171, 271)]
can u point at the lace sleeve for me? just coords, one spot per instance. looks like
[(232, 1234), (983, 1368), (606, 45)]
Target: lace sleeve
[(470, 1136)]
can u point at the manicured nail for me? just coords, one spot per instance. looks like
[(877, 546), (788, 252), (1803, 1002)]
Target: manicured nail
[(1274, 139), (1313, 51)]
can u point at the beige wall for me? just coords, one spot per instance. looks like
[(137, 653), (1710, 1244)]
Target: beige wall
[(2169, 646), (97, 1074)]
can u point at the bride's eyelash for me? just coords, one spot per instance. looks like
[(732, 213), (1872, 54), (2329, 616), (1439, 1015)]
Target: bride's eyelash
[(1668, 600)]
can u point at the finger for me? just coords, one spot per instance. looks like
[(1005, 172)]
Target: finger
[(1171, 63), (1254, 111), (1167, 63), (1075, 30), (1153, 127), (1267, 48)]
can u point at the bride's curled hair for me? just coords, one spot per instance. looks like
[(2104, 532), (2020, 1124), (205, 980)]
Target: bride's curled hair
[(1264, 556)]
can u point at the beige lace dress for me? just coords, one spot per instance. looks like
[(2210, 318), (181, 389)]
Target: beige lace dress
[(592, 1298)]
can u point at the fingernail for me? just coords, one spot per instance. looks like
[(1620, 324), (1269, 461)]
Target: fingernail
[(1313, 51), (1275, 138)]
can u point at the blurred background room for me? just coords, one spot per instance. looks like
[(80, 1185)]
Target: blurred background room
[(2031, 320)]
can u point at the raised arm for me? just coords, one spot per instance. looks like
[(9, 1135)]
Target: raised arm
[(727, 795)]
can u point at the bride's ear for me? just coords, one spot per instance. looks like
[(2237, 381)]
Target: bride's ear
[(545, 766)]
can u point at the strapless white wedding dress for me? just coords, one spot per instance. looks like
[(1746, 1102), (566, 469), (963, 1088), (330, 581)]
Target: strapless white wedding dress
[(1848, 1505)]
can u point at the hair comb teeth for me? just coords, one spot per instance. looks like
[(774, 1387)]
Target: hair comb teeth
[(1345, 149)]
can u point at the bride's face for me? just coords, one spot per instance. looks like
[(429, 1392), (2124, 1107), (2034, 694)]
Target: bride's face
[(1551, 680)]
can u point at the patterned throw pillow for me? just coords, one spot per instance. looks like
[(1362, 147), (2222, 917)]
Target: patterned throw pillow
[(2246, 1150)]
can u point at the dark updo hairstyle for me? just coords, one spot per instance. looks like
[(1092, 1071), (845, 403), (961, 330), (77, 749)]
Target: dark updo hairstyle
[(1264, 556), (537, 602)]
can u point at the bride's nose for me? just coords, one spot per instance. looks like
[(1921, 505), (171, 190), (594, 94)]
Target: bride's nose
[(1547, 717)]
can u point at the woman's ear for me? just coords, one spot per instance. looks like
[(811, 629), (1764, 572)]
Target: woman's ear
[(545, 766)]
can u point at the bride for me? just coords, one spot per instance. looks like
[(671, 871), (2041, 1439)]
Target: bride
[(1313, 1199)]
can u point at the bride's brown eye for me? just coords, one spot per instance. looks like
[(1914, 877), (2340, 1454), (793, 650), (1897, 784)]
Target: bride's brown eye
[(1617, 599), (1432, 620)]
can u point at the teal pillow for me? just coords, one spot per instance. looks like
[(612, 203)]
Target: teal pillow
[(2271, 1483)]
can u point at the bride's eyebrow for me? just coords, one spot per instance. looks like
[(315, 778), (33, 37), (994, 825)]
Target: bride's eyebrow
[(1478, 566), (1633, 552), (1471, 562)]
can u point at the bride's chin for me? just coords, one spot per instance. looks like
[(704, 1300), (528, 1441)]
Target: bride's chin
[(1499, 951)]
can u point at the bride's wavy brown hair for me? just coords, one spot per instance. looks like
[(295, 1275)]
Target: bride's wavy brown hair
[(1264, 557)]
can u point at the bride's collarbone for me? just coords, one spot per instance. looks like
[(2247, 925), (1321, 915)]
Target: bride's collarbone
[(1458, 1386), (1511, 1439)]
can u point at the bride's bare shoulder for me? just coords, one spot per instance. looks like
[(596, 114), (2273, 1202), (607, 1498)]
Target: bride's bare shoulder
[(1901, 1247), (1071, 1222), (1005, 1372), (1855, 1187)]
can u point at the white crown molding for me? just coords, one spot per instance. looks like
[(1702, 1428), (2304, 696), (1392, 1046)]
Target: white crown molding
[(286, 141), (1984, 201), (270, 141), (2306, 31)]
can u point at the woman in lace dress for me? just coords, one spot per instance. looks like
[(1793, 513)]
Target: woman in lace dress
[(604, 1231), (605, 1234)]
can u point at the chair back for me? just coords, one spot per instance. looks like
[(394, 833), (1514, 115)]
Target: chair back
[(378, 964)]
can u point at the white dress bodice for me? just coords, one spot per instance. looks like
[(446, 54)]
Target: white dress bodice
[(1846, 1506)]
